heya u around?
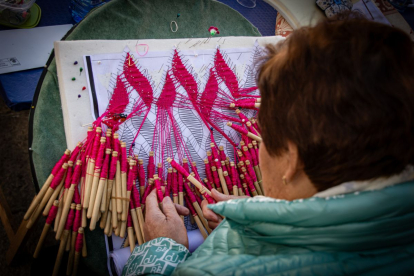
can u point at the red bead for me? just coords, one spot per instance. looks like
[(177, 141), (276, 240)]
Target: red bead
[(84, 88)]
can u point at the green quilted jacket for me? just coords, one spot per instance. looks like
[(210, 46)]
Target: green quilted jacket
[(366, 233)]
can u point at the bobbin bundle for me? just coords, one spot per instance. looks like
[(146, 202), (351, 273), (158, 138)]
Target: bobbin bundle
[(102, 183)]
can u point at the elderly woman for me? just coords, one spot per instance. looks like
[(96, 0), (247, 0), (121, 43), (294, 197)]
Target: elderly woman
[(337, 120)]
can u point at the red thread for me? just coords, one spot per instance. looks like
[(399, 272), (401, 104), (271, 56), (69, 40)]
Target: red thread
[(129, 220), (78, 220), (75, 153), (59, 164), (138, 81), (135, 196), (52, 214), (69, 220), (124, 160), (68, 177), (76, 174), (79, 242), (238, 128), (184, 77), (180, 169), (168, 93), (58, 178), (159, 191), (104, 170), (209, 199), (226, 74), (190, 207), (175, 183)]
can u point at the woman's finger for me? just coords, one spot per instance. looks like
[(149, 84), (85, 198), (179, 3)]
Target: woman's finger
[(222, 197), (151, 206), (181, 210), (213, 225), (207, 213)]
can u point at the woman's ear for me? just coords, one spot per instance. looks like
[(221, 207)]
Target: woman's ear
[(293, 162)]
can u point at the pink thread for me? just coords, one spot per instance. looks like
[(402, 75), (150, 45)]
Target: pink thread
[(180, 183), (209, 95), (251, 172), (228, 182), (52, 214), (223, 156), (75, 153), (135, 196), (246, 190), (130, 179), (190, 193), (208, 173), (76, 174), (96, 142), (141, 175), (105, 167), (100, 157), (168, 93), (79, 242), (117, 104), (76, 196), (78, 221), (138, 81), (226, 74), (68, 177), (148, 190), (159, 191), (246, 104), (160, 173), (112, 168), (69, 220), (253, 155), (59, 164), (185, 166), (184, 77), (146, 49), (117, 146), (124, 162), (179, 169), (175, 183), (190, 207), (209, 199), (58, 178), (216, 179), (256, 126), (169, 184), (239, 129), (151, 167), (195, 171)]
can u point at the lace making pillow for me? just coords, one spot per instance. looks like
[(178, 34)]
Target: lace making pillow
[(333, 7)]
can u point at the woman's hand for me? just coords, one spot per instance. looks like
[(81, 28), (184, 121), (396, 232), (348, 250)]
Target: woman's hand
[(166, 223), (212, 218)]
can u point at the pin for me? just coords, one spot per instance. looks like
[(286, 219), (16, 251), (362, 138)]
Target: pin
[(79, 96), (73, 78), (178, 15), (75, 63), (99, 62), (80, 71)]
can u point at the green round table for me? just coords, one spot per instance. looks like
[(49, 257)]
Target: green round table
[(118, 20)]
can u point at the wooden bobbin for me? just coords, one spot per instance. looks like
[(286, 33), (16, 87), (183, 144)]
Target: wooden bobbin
[(68, 200), (62, 247), (95, 184), (72, 247), (131, 238), (124, 190), (59, 212), (41, 193), (114, 212), (141, 222), (118, 188), (200, 215), (135, 223), (43, 235), (98, 198), (77, 256), (90, 175), (200, 226)]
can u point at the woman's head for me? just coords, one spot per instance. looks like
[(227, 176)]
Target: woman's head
[(342, 93)]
